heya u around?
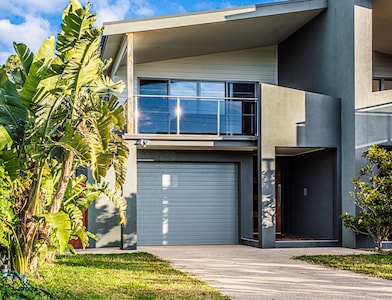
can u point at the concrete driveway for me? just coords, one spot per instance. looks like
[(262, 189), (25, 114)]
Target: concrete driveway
[(243, 272)]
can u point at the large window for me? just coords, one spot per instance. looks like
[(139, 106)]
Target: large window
[(197, 107)]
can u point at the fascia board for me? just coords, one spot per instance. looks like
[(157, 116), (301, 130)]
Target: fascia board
[(279, 8), (139, 25)]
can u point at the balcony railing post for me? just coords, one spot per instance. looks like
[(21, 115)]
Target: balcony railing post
[(135, 114), (228, 111), (218, 118), (257, 117), (178, 113)]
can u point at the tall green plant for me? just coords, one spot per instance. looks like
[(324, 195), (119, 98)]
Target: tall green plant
[(373, 197), (59, 113)]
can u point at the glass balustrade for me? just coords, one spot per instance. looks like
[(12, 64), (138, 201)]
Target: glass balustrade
[(195, 115)]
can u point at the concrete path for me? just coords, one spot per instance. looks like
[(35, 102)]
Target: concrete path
[(243, 272)]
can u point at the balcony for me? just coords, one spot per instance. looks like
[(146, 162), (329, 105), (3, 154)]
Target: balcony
[(184, 115)]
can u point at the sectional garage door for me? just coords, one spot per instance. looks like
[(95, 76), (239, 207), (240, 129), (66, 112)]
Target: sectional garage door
[(187, 203)]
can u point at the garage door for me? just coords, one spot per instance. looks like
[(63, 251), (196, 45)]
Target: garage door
[(187, 203)]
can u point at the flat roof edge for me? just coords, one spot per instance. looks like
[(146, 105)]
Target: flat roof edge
[(283, 7), (213, 16), (172, 21)]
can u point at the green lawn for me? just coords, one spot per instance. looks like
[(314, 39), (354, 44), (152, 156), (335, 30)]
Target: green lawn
[(120, 276), (377, 264)]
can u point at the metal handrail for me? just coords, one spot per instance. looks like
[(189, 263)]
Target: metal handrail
[(196, 97)]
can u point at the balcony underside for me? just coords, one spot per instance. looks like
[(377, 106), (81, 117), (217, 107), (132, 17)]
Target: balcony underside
[(193, 142)]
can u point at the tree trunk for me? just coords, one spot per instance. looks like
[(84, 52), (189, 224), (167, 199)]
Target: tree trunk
[(66, 173)]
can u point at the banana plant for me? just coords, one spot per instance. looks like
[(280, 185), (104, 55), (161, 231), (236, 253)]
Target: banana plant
[(60, 113)]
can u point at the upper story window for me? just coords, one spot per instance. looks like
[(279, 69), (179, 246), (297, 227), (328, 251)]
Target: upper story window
[(196, 107), (382, 84)]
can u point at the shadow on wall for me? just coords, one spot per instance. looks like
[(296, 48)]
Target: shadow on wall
[(104, 223), (268, 192)]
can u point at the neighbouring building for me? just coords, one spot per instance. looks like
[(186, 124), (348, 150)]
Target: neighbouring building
[(246, 125)]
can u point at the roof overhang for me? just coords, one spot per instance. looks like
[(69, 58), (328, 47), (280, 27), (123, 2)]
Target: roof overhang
[(185, 35)]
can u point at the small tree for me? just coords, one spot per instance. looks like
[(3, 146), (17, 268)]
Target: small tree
[(373, 196), (59, 113)]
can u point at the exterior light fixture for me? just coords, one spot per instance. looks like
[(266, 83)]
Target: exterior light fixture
[(142, 142)]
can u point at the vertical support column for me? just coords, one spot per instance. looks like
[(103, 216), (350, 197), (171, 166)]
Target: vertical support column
[(130, 84), (129, 232), (266, 171), (267, 226), (281, 110), (259, 172)]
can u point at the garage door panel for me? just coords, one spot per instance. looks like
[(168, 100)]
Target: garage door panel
[(187, 203)]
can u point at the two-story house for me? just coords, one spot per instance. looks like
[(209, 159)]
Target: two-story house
[(246, 125)]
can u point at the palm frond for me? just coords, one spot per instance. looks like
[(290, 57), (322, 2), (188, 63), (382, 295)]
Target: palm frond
[(61, 226), (73, 141), (13, 115), (120, 171), (26, 57), (107, 86), (37, 72), (77, 23), (5, 139), (116, 197), (74, 213), (79, 71)]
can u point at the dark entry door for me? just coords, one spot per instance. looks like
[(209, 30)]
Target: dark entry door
[(306, 194)]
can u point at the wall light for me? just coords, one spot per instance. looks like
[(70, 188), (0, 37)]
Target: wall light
[(142, 142)]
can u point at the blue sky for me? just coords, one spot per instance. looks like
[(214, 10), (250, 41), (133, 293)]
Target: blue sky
[(32, 21)]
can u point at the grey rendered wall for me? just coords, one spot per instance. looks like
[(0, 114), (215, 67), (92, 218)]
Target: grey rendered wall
[(245, 163), (103, 219), (291, 118), (322, 121), (320, 58), (128, 233)]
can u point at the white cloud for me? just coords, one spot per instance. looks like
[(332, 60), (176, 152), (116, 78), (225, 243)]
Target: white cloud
[(35, 7), (107, 11), (116, 10), (142, 8), (3, 56), (204, 6), (226, 4), (144, 11), (33, 31), (178, 8)]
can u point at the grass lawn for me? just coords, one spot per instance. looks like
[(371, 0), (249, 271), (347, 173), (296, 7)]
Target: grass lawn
[(377, 264), (120, 276)]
